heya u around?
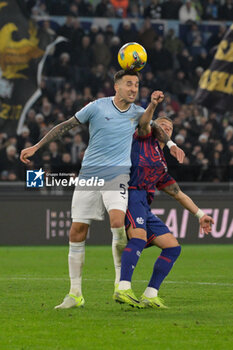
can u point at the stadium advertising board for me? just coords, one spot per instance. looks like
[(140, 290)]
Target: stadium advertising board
[(46, 221)]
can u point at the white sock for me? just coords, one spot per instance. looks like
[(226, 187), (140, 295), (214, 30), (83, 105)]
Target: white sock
[(119, 242), (124, 285), (151, 292), (76, 260)]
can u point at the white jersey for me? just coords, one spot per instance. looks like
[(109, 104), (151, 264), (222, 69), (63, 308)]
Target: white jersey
[(111, 131)]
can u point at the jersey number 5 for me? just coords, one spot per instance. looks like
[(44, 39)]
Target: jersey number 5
[(123, 189)]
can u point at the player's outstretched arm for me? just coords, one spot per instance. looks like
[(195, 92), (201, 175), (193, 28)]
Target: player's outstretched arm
[(205, 221), (144, 122), (52, 135)]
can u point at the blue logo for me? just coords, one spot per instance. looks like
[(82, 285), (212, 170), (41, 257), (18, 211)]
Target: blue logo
[(35, 178)]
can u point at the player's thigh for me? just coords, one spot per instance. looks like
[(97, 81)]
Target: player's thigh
[(115, 199), (87, 206), (166, 240), (78, 231), (136, 216), (158, 233), (136, 233)]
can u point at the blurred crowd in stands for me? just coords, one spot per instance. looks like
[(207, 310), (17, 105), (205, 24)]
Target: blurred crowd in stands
[(82, 69), (155, 9)]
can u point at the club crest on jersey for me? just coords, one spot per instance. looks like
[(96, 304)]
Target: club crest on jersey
[(140, 220), (132, 121)]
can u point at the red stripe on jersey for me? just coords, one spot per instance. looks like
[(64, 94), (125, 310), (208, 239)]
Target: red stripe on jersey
[(154, 156), (164, 258), (160, 187), (130, 219), (145, 149)]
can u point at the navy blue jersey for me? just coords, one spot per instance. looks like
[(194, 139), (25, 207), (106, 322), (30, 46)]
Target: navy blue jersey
[(149, 167)]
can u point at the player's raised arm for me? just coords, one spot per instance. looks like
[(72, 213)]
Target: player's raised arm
[(52, 135), (144, 122), (205, 221)]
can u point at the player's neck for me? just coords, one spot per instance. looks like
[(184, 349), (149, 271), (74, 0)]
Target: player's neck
[(161, 144), (121, 104)]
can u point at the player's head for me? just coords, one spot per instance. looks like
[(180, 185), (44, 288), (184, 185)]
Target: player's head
[(126, 84), (166, 124)]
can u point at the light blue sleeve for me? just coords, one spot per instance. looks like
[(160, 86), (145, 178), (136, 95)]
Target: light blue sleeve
[(140, 111), (86, 113)]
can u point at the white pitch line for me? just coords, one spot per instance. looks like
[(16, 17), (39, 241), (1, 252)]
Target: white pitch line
[(109, 280)]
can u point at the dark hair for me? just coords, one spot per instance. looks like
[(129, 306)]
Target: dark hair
[(121, 73), (166, 118)]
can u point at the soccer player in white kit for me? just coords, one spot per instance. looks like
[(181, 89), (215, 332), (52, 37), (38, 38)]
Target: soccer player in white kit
[(112, 122)]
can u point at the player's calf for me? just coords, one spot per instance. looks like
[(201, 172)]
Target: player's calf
[(129, 261), (162, 267), (119, 242)]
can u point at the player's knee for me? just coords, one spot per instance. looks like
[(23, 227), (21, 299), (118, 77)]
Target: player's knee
[(117, 218), (176, 250), (137, 233), (78, 232), (172, 253), (117, 223)]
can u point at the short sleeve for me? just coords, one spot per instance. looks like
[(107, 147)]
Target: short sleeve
[(139, 112), (164, 181), (85, 114)]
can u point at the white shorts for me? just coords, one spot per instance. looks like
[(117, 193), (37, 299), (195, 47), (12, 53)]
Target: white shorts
[(90, 205)]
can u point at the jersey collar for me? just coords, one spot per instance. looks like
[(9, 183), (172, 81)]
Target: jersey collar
[(120, 110)]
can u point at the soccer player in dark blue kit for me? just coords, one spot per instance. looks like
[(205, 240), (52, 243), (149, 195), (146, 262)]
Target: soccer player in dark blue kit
[(148, 172)]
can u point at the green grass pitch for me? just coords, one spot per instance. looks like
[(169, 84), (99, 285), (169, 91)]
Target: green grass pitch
[(198, 291)]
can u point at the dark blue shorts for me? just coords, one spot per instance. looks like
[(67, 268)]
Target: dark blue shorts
[(139, 215)]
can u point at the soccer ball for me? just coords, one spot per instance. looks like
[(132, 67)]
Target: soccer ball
[(132, 56)]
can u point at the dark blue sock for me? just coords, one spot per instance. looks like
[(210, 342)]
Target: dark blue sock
[(130, 258), (163, 266)]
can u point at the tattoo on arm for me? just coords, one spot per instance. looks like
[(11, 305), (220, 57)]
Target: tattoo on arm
[(59, 130), (142, 131), (172, 190), (159, 133)]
